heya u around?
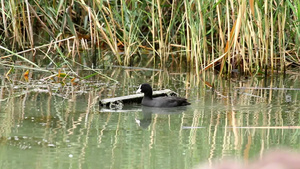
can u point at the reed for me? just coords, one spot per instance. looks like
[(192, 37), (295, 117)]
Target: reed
[(249, 36)]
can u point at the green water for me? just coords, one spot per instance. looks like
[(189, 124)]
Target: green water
[(43, 130)]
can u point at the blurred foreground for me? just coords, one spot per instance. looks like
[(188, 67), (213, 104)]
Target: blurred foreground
[(276, 159)]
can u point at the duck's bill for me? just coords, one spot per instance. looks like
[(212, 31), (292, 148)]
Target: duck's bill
[(139, 90)]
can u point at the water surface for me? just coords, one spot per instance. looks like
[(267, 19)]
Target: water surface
[(241, 119)]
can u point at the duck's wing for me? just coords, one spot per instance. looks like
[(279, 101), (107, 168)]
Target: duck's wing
[(170, 101)]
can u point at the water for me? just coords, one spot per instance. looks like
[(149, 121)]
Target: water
[(43, 130)]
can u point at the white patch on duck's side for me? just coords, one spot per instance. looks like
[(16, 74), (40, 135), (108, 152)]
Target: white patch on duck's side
[(138, 122), (139, 90)]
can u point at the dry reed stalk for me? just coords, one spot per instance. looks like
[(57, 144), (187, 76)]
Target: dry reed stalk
[(162, 47), (4, 19), (253, 38), (30, 32), (110, 38), (188, 41), (272, 39), (38, 47), (15, 24)]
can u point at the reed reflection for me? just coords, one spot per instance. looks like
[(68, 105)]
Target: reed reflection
[(148, 111)]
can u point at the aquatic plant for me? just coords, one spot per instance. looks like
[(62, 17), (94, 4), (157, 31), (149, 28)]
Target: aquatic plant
[(249, 36)]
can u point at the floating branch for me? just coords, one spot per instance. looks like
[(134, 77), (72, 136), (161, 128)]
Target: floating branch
[(118, 102)]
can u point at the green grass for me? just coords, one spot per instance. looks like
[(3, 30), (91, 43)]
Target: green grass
[(199, 35)]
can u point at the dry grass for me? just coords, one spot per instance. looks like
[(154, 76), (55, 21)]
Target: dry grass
[(248, 36)]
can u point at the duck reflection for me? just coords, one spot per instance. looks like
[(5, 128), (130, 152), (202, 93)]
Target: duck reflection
[(148, 111)]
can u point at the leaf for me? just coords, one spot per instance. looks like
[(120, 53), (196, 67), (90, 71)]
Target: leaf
[(91, 75), (59, 74), (70, 22), (251, 2), (9, 71), (73, 81), (26, 76)]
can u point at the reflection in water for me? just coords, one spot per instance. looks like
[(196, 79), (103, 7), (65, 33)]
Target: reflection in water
[(47, 130), (39, 128), (148, 111)]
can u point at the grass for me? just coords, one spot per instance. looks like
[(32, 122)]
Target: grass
[(249, 36)]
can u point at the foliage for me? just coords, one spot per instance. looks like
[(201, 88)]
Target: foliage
[(249, 36)]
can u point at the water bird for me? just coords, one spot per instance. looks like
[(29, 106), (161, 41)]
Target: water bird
[(150, 101)]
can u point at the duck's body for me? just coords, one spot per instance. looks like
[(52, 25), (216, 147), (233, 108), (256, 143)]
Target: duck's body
[(149, 101)]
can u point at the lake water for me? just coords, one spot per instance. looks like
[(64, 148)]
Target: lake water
[(241, 119)]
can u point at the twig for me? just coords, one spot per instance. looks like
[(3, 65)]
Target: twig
[(31, 49)]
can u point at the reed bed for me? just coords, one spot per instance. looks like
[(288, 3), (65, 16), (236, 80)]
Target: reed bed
[(249, 36)]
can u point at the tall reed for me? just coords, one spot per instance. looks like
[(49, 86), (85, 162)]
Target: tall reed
[(250, 36)]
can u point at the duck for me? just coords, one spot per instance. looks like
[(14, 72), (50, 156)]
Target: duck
[(150, 101)]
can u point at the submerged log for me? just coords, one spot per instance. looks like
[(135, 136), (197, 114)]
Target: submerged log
[(118, 102)]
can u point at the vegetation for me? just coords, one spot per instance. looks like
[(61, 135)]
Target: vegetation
[(42, 43), (249, 36)]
